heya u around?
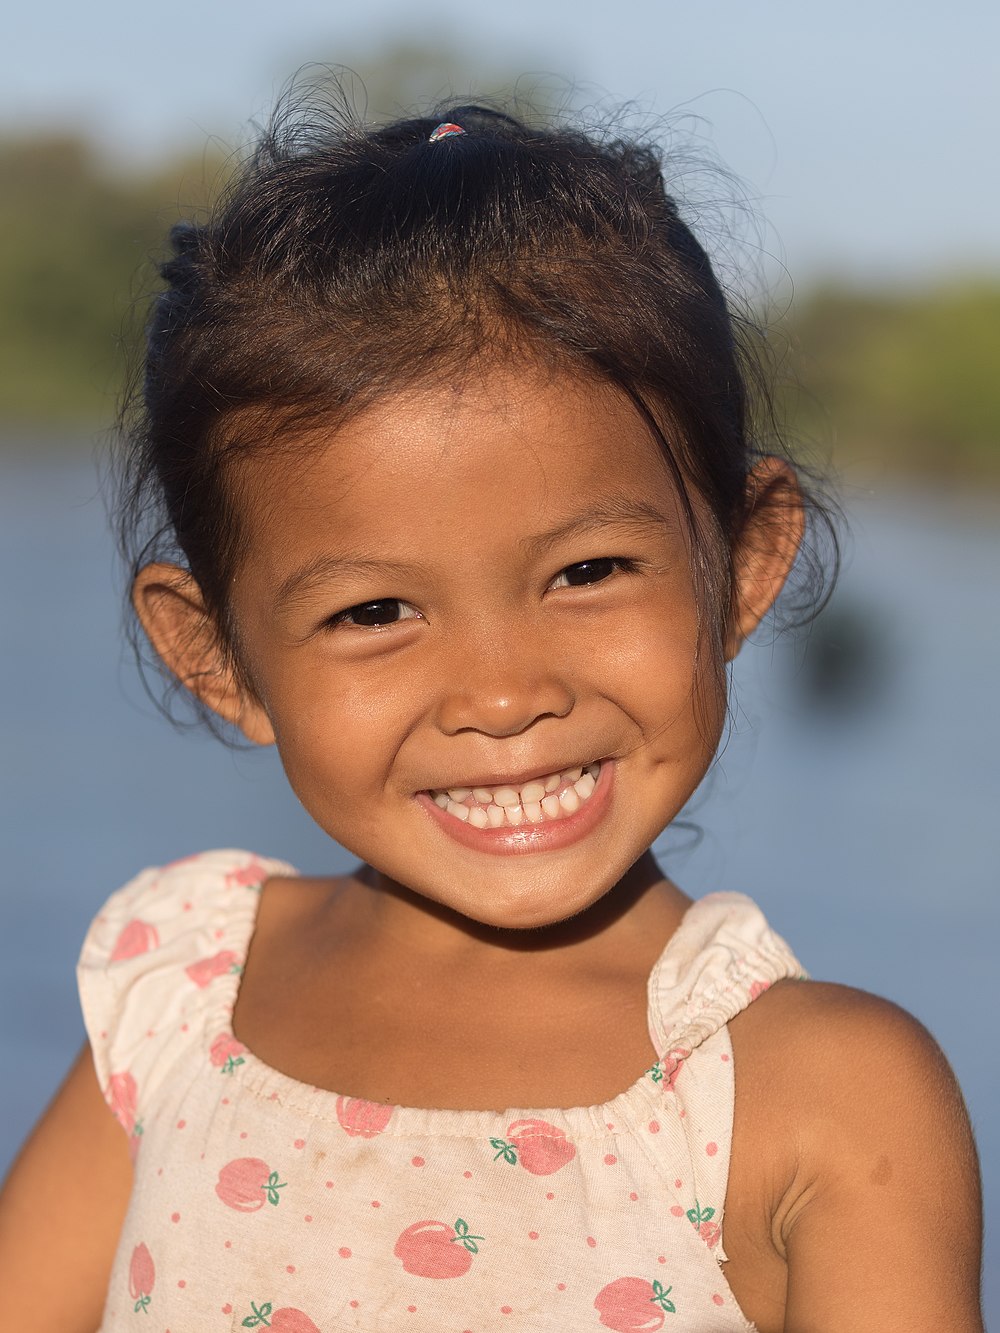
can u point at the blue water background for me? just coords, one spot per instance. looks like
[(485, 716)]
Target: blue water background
[(867, 825)]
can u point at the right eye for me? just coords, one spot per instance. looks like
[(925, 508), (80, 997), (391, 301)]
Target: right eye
[(375, 615)]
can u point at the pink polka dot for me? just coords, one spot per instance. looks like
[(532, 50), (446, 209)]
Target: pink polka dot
[(725, 1058), (376, 1204), (308, 1217), (289, 1268), (678, 1184), (150, 1033), (506, 1309), (181, 1283), (187, 907), (354, 1305), (716, 1299), (243, 1134), (329, 1184), (227, 1308), (344, 1252), (159, 1170), (229, 1244), (181, 1124), (184, 1027), (610, 1125), (654, 1127), (175, 1217), (661, 1258), (467, 1175), (711, 1149), (591, 1242), (532, 1235), (412, 1309), (681, 1115), (560, 1286), (416, 1161), (300, 1143), (218, 933), (225, 1101), (677, 1211), (610, 1159), (633, 1196)]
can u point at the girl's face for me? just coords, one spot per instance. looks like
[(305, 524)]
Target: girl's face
[(470, 600)]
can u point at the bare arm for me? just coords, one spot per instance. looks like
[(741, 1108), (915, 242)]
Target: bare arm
[(61, 1211), (882, 1228)]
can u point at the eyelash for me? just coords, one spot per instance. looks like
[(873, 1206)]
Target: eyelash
[(618, 564)]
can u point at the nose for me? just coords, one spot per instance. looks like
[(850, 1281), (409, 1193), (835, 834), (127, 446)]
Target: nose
[(501, 688)]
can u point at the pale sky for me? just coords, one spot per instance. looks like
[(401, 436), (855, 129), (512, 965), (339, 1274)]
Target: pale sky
[(865, 131)]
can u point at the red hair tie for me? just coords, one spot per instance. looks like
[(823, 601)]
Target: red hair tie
[(445, 131)]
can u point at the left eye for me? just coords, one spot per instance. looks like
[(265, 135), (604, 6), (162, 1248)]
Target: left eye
[(374, 615), (588, 571)]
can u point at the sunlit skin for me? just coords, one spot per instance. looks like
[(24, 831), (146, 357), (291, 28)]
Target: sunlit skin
[(481, 582), (520, 552)]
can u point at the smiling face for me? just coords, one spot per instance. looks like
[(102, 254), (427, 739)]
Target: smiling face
[(471, 626)]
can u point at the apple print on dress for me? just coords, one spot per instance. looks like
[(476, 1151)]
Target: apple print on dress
[(141, 1276), (250, 876), (247, 1183), (226, 1052), (633, 1305), (540, 1147), (285, 1320), (434, 1249), (121, 1094), (701, 1219), (205, 970), (137, 937), (363, 1119), (665, 1071)]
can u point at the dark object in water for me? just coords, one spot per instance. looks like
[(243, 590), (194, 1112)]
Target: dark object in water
[(845, 663)]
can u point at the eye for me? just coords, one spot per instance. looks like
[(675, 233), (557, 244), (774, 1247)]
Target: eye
[(590, 571), (375, 615)]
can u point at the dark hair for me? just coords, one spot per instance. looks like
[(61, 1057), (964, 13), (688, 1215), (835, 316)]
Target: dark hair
[(346, 261)]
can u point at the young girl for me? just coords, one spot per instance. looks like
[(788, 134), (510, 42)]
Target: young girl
[(457, 500)]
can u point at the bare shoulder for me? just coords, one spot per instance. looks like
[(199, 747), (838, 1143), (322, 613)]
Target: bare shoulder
[(873, 1177)]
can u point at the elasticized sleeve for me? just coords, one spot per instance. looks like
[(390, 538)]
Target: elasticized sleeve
[(160, 969)]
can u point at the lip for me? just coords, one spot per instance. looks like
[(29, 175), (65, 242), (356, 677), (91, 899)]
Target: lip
[(549, 835)]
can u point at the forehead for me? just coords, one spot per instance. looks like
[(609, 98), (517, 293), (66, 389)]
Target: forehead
[(497, 455)]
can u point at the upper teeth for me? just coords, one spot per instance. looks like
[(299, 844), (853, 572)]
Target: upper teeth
[(547, 797)]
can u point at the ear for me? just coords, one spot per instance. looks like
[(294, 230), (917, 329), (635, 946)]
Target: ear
[(766, 548), (172, 611)]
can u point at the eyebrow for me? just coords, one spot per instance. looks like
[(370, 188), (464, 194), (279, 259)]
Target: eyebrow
[(621, 512), (624, 511)]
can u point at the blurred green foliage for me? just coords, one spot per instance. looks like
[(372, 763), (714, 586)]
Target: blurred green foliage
[(906, 380)]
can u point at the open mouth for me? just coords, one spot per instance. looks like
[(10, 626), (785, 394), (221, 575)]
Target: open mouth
[(542, 799)]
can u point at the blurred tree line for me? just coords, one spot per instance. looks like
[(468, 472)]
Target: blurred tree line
[(905, 380)]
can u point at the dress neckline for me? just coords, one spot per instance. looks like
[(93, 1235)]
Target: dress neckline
[(639, 1102)]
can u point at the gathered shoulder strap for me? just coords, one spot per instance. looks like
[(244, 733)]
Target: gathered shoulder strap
[(722, 956), (160, 969)]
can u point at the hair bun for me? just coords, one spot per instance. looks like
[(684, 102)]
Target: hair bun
[(179, 272)]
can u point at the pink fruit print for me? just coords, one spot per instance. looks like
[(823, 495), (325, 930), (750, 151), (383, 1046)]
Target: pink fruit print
[(141, 1276), (205, 970), (633, 1305), (250, 876), (121, 1095), (363, 1119), (285, 1320), (434, 1249), (226, 1052), (758, 988), (247, 1183), (136, 937), (665, 1071), (540, 1147), (701, 1219)]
